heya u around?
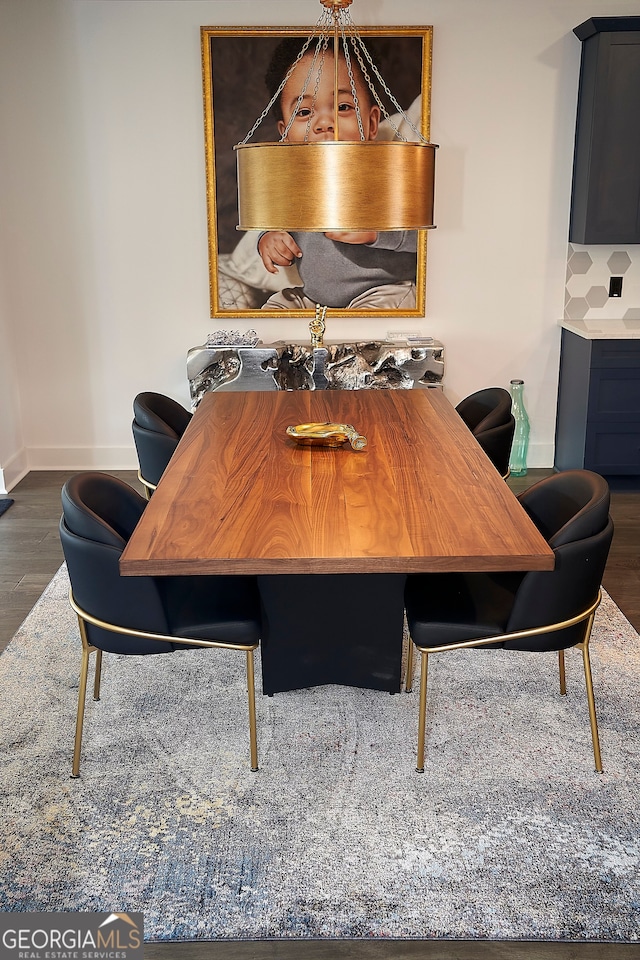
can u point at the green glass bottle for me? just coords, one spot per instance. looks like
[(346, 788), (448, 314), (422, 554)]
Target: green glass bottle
[(520, 445)]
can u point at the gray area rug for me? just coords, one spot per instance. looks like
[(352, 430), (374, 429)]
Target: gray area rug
[(509, 834)]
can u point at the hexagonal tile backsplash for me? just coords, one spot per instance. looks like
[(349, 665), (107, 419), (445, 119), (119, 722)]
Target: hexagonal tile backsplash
[(589, 270)]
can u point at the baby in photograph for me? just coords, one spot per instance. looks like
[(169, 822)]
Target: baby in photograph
[(356, 270)]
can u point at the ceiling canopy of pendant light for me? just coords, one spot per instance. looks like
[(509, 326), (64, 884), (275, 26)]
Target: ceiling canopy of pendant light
[(307, 183)]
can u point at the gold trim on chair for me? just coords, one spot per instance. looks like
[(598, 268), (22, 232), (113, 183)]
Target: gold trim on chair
[(148, 487), (586, 616), (87, 649)]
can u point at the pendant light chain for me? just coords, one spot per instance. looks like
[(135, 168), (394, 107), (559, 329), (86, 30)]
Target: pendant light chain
[(365, 73), (340, 18), (319, 51), (322, 21), (352, 82)]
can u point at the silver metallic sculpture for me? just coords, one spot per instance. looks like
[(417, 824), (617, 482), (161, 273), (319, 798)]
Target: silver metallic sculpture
[(366, 365)]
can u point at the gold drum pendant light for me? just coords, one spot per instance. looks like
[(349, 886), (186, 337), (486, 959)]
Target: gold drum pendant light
[(332, 184), (338, 185)]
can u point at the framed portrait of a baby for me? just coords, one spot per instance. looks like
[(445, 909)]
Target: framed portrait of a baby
[(353, 273)]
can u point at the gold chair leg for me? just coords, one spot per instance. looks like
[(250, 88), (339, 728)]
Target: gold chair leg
[(422, 711), (87, 650), (82, 692), (408, 676), (592, 703), (563, 676), (97, 675), (251, 692)]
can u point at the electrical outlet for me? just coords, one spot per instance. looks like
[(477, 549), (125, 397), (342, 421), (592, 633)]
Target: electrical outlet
[(615, 287)]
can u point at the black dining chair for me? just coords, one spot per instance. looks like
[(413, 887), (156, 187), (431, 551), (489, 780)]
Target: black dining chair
[(534, 611), (158, 425), (488, 415), (138, 616)]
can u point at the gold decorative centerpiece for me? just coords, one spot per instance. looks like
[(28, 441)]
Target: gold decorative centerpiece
[(318, 326), (327, 435)]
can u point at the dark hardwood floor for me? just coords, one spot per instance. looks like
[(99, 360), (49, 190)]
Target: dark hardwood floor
[(30, 554)]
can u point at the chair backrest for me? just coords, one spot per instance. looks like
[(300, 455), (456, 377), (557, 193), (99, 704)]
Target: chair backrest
[(99, 514), (571, 510), (487, 414), (485, 409), (160, 414), (158, 424), (496, 443), (568, 506)]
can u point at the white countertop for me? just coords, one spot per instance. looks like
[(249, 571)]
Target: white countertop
[(604, 329)]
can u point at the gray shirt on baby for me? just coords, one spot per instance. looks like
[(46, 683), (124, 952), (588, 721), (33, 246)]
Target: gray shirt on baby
[(335, 273)]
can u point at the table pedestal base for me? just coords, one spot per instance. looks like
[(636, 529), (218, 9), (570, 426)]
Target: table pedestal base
[(332, 628)]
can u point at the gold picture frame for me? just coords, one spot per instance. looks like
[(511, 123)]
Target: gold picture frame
[(234, 63)]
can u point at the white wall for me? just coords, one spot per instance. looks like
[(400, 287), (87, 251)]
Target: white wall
[(104, 274), (12, 449)]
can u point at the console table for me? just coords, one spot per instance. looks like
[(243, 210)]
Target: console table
[(357, 365)]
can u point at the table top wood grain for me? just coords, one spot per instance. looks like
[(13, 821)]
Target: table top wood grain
[(240, 496)]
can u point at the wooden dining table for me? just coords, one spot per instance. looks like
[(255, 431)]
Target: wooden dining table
[(331, 532)]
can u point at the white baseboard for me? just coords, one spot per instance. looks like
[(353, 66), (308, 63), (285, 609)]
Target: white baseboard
[(540, 456), (14, 470)]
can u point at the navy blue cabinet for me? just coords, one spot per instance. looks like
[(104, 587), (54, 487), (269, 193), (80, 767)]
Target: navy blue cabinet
[(598, 420), (605, 205)]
